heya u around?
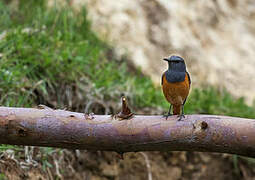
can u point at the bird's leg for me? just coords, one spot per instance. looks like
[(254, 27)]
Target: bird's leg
[(169, 112), (182, 114)]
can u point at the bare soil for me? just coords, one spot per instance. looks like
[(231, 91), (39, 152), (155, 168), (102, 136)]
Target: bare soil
[(70, 164)]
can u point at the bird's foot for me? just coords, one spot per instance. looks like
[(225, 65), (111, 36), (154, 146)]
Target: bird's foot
[(180, 117), (167, 115)]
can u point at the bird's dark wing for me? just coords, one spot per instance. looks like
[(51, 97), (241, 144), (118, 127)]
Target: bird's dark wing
[(189, 86), (189, 78)]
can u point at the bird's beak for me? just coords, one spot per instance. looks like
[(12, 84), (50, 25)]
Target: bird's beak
[(165, 59)]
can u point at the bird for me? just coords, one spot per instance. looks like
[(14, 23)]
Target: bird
[(176, 84)]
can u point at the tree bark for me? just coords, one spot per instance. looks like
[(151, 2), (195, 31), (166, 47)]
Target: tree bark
[(65, 129)]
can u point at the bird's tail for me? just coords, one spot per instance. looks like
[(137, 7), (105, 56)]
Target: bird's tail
[(176, 109)]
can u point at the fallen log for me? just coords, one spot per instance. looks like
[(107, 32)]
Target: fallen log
[(65, 129)]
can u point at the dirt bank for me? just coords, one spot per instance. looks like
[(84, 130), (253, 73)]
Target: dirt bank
[(216, 37)]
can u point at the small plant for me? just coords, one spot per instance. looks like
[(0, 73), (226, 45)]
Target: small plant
[(46, 153), (2, 176), (4, 147)]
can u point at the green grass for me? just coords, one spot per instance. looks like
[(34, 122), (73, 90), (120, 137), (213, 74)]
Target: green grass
[(213, 101), (55, 48), (4, 147)]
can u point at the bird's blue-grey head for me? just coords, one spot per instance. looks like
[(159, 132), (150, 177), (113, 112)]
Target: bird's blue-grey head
[(176, 69), (176, 63)]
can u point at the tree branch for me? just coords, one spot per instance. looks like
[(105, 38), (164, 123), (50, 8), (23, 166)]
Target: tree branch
[(65, 129)]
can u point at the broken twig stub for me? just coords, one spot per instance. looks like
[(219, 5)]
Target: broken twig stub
[(125, 111)]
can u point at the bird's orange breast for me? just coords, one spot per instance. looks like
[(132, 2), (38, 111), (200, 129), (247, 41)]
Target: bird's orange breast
[(177, 92)]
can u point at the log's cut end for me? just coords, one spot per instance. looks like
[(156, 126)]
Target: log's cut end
[(65, 129)]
